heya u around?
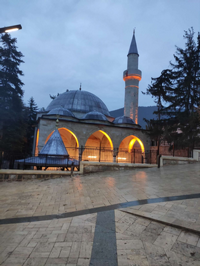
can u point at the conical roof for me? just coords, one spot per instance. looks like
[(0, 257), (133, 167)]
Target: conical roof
[(54, 145), (133, 47)]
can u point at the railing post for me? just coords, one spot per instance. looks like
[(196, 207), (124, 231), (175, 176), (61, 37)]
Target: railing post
[(114, 156), (134, 155), (150, 156), (142, 159), (158, 160), (72, 169), (80, 152), (99, 154)]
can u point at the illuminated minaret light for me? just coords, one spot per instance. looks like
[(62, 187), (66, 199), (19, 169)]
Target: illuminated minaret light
[(132, 76)]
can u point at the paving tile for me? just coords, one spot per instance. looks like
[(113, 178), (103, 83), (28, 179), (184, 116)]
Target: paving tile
[(55, 252), (198, 243), (85, 250), (43, 247), (187, 250), (188, 237), (137, 257), (136, 229), (143, 221), (159, 261), (35, 262), (172, 230), (65, 251), (153, 250), (165, 240), (16, 260), (56, 261), (72, 260), (155, 228), (63, 244), (83, 262), (147, 236), (129, 244)]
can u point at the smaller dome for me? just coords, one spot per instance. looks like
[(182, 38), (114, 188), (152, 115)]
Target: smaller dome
[(42, 110), (123, 120), (95, 116), (60, 111)]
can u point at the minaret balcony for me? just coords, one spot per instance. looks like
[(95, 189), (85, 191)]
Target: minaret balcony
[(132, 74)]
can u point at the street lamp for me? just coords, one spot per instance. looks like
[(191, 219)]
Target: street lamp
[(10, 28)]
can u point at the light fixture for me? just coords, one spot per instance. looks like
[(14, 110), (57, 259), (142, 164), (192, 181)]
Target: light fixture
[(11, 28)]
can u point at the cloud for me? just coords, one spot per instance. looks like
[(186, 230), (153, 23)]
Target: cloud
[(68, 42)]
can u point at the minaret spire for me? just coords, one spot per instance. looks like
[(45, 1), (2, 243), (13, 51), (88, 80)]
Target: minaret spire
[(133, 47), (132, 76)]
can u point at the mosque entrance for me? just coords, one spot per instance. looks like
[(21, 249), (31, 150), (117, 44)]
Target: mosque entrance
[(131, 150), (98, 147), (70, 141)]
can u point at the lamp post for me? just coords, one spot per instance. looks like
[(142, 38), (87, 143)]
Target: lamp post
[(10, 28)]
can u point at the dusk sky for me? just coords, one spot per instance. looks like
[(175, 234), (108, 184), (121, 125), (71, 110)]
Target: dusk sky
[(68, 42)]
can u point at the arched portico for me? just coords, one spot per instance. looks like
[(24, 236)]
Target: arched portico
[(98, 147)]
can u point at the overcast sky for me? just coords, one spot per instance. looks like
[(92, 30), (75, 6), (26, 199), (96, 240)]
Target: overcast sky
[(68, 42)]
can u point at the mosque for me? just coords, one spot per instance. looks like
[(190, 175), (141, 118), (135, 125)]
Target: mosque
[(86, 127)]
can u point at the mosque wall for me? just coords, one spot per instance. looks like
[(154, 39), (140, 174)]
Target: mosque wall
[(84, 130)]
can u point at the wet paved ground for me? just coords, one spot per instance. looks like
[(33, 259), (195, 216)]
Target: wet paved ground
[(110, 236)]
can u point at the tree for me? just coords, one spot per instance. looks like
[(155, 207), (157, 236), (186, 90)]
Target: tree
[(177, 94), (157, 90), (31, 122), (11, 106)]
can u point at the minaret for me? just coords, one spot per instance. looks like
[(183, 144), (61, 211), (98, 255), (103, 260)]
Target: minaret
[(132, 76)]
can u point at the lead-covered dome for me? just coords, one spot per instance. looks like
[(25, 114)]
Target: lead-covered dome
[(123, 120), (61, 111), (95, 116), (79, 101)]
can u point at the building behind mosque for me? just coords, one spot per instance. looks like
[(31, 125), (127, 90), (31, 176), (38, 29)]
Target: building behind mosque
[(87, 128)]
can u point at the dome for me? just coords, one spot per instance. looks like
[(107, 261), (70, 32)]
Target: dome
[(95, 116), (79, 101), (123, 120), (41, 110), (60, 111)]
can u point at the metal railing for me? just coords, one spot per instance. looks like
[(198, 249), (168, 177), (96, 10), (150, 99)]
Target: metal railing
[(9, 161), (84, 153)]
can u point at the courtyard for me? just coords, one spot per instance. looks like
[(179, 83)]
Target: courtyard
[(132, 217)]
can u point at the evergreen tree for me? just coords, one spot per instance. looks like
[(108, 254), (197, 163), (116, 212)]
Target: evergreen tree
[(11, 106), (31, 122), (178, 89), (157, 90)]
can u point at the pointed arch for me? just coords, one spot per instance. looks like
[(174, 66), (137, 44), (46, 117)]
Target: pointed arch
[(132, 142), (61, 133), (108, 137), (36, 143), (126, 152), (98, 147)]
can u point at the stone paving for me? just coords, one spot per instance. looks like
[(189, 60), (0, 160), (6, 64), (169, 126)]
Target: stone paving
[(112, 237), (54, 196), (182, 213), (70, 242)]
